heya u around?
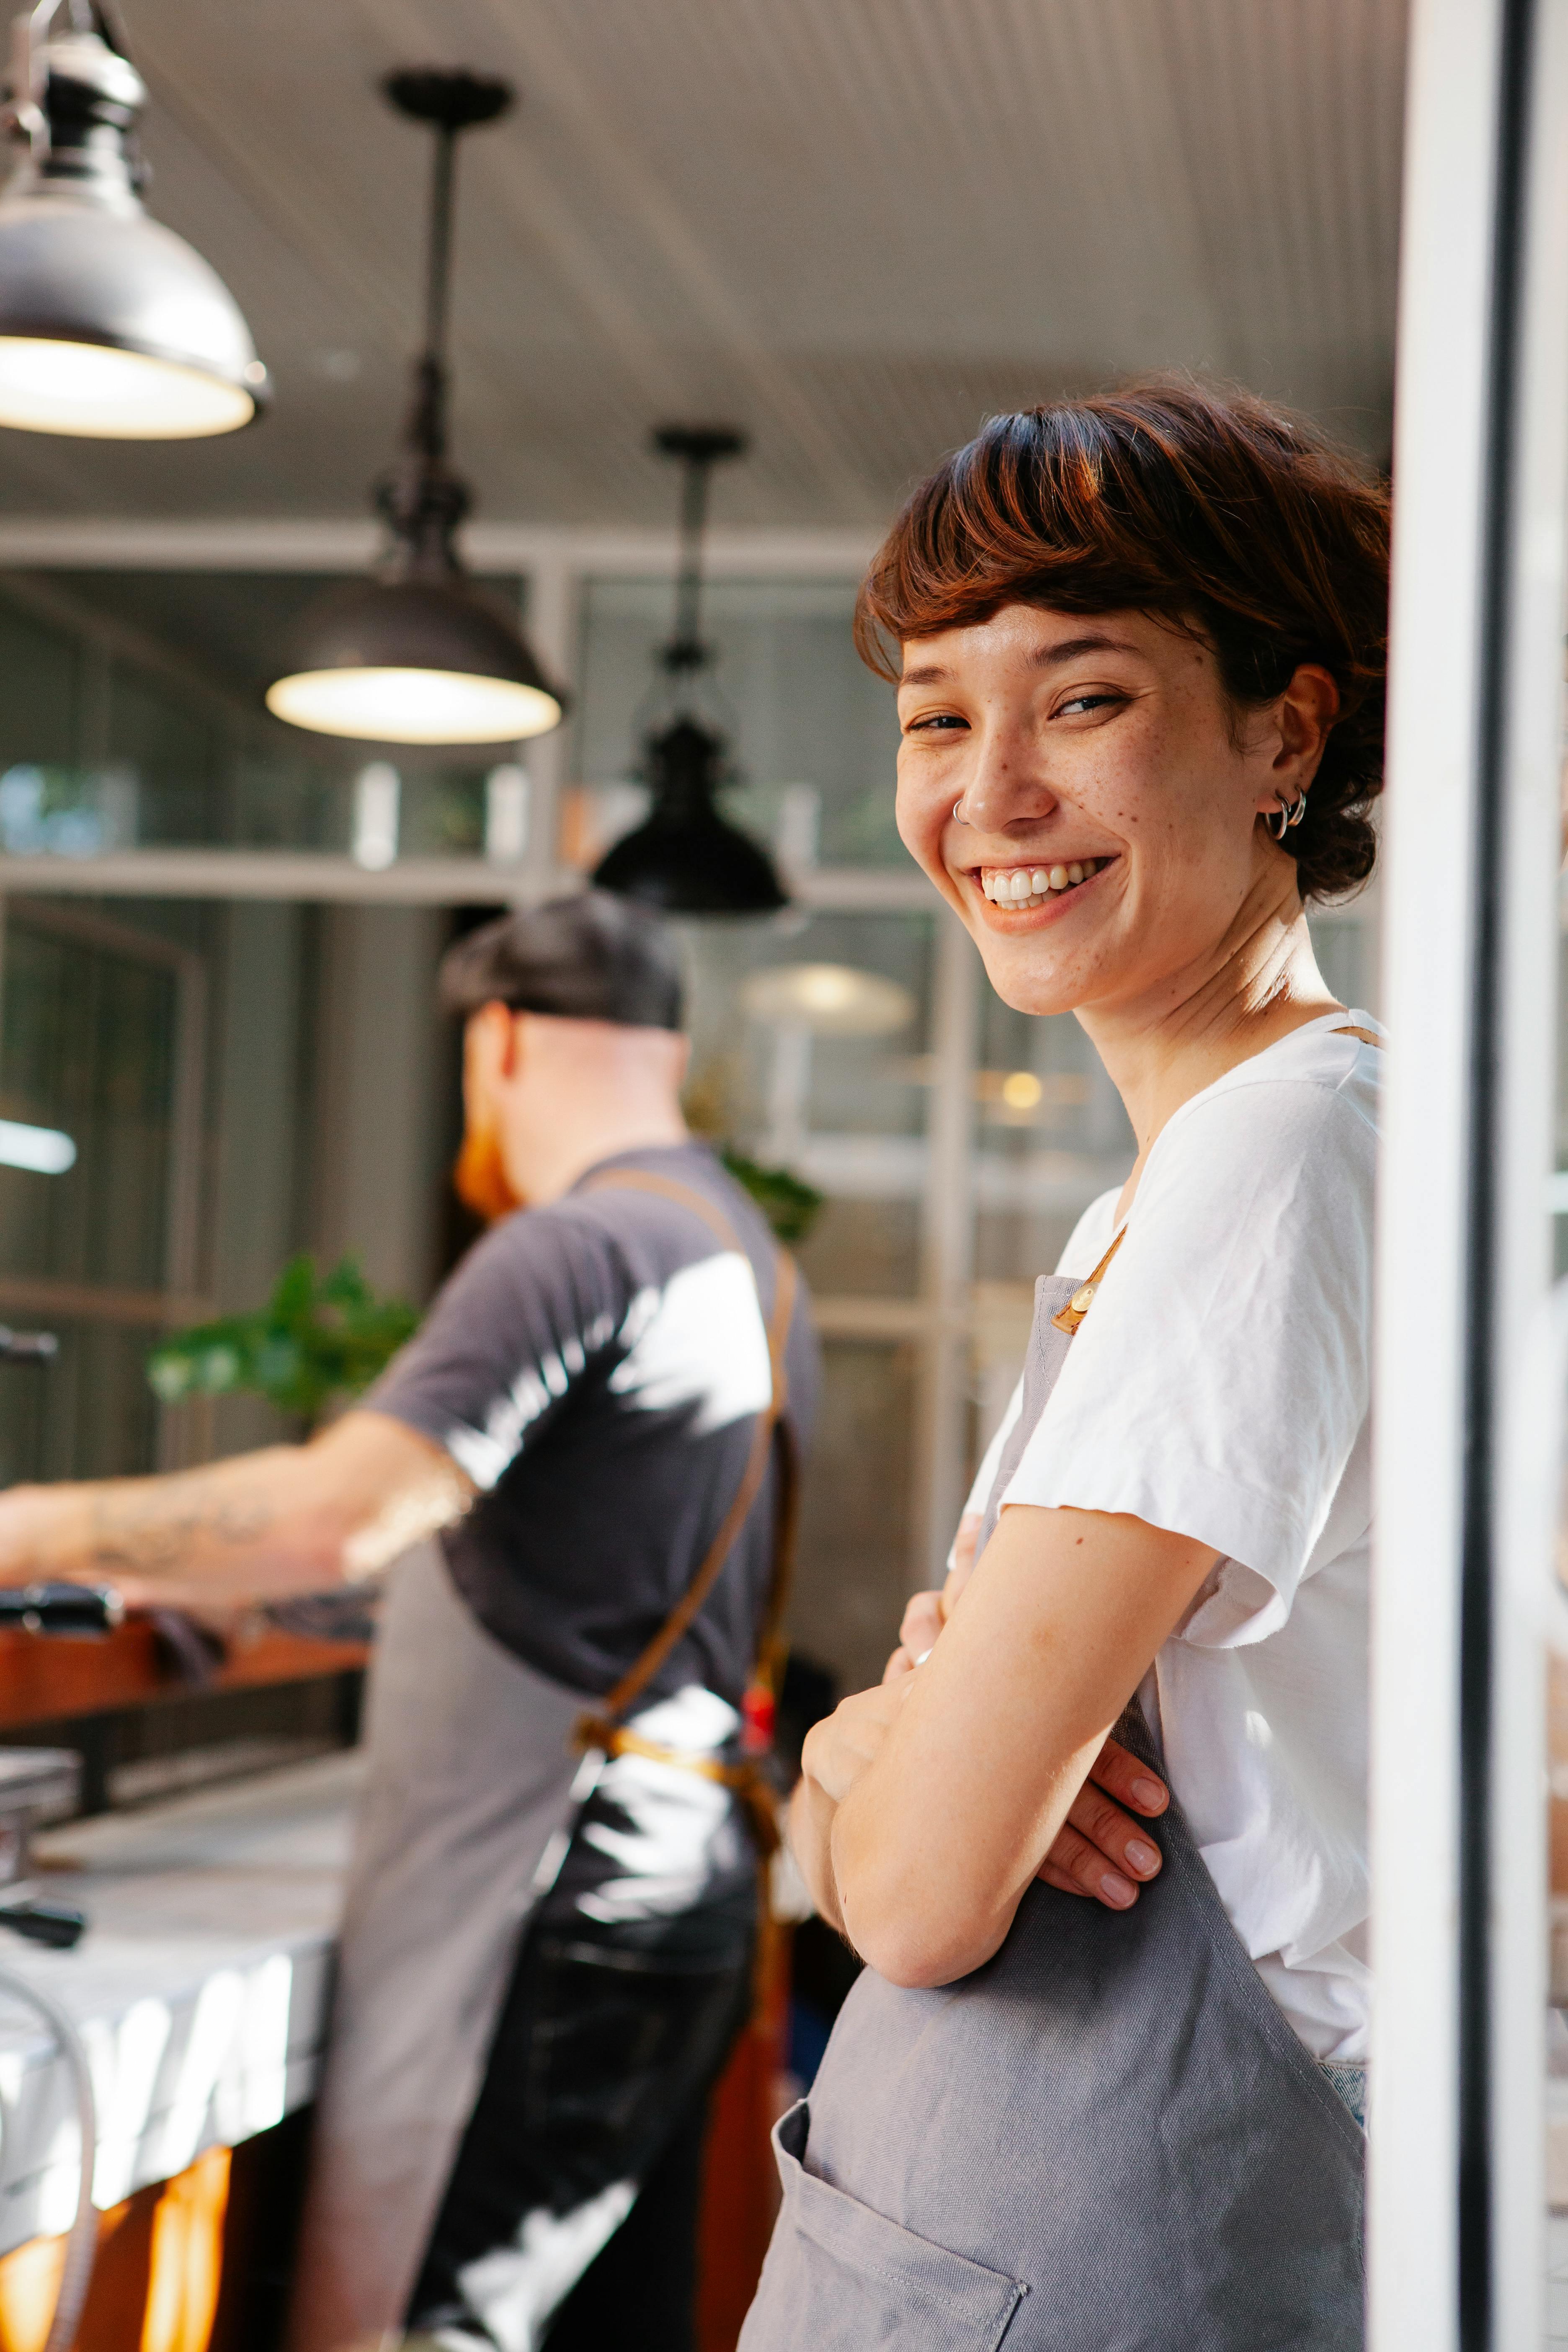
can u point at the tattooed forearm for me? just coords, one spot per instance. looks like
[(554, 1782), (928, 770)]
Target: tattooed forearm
[(153, 1527), (293, 1518)]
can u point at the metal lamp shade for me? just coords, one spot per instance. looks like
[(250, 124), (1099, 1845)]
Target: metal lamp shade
[(686, 859), (414, 661), (112, 327)]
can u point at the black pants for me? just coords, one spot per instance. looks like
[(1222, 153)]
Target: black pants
[(609, 2042)]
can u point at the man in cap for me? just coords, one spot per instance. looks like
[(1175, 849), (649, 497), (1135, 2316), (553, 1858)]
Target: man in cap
[(581, 1464)]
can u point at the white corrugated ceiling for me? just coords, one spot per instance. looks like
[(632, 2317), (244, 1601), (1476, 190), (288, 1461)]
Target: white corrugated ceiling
[(855, 226)]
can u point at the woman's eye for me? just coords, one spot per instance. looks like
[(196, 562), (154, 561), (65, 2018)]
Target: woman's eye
[(939, 721), (1088, 702)]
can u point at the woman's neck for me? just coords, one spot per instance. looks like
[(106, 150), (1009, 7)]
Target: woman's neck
[(1261, 982)]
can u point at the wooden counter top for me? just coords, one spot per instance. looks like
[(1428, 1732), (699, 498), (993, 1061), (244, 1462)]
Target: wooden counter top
[(44, 1680)]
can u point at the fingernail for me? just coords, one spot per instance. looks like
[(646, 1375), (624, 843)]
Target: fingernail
[(1117, 1889), (1140, 1856), (1148, 1792)]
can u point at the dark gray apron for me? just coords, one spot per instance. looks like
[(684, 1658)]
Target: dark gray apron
[(471, 1778), (1107, 2139)]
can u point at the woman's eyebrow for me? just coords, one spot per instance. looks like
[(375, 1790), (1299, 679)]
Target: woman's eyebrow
[(1048, 658), (1052, 657)]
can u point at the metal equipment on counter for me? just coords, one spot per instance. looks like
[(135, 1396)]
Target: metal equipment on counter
[(36, 1785), (27, 1347)]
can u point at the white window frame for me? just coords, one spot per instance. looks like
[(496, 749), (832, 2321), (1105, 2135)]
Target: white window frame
[(1469, 981)]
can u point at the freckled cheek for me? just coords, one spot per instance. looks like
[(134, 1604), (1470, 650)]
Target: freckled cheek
[(922, 812)]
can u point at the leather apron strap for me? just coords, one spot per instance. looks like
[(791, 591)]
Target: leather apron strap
[(602, 1729), (1082, 1299)]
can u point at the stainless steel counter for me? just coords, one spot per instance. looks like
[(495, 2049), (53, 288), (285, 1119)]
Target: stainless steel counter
[(200, 1988)]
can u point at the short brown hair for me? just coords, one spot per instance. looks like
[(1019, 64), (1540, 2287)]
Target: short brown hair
[(1211, 510)]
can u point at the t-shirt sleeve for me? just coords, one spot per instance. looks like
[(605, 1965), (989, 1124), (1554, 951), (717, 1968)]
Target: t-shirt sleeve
[(1217, 1386), (509, 1335)]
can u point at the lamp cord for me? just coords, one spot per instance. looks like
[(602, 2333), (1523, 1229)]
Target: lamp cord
[(428, 425), (693, 524), (439, 260), (81, 2244)]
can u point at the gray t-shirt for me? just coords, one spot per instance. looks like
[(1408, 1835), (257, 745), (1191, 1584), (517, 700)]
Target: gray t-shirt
[(597, 1365)]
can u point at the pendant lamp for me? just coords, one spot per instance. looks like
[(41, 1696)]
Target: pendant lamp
[(686, 858), (110, 326), (418, 653)]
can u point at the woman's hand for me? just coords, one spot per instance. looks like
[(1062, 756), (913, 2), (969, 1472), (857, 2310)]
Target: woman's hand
[(1099, 1851), (846, 1743), (984, 1764), (837, 1751), (928, 1612)]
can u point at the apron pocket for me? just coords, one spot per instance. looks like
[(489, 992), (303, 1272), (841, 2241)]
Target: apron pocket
[(840, 2278)]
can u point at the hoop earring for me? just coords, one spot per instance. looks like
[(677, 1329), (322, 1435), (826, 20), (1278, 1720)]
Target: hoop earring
[(1281, 818)]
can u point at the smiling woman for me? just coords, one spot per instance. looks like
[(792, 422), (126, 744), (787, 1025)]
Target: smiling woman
[(1139, 647), (1222, 518)]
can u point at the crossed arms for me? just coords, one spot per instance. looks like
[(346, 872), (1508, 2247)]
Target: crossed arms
[(928, 1805)]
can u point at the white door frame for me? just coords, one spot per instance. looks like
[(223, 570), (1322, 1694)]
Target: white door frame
[(1469, 966)]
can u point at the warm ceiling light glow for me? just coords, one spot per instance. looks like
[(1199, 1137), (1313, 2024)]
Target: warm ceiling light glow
[(112, 327), (413, 705), (1021, 1090), (43, 1150), (835, 999), (88, 389)]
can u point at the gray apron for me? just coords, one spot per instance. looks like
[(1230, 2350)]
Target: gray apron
[(1107, 2139), (468, 1792)]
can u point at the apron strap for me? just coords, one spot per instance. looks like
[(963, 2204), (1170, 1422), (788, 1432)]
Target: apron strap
[(1082, 1299), (599, 1730)]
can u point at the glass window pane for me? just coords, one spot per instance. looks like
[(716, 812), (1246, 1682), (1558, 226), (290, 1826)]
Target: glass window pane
[(89, 1052), (855, 1537), (805, 717), (132, 713), (783, 1083), (90, 1414), (1050, 1137)]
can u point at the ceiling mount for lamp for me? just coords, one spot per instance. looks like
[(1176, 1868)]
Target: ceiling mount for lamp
[(110, 326), (417, 653), (687, 859)]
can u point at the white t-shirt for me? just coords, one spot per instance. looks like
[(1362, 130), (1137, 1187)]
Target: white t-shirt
[(1220, 1387)]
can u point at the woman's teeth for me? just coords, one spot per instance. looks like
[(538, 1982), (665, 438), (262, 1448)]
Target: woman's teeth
[(1031, 885)]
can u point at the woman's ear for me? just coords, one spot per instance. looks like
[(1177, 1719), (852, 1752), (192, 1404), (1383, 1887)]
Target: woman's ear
[(1306, 711)]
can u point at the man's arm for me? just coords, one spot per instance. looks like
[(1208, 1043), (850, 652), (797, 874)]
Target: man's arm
[(291, 1519), (939, 1796)]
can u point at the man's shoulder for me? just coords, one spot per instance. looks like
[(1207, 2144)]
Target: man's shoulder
[(671, 1197)]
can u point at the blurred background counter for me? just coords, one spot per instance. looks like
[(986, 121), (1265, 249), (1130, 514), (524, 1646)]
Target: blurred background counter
[(201, 1992)]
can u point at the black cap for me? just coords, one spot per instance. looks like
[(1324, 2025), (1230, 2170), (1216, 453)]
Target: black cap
[(591, 957)]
